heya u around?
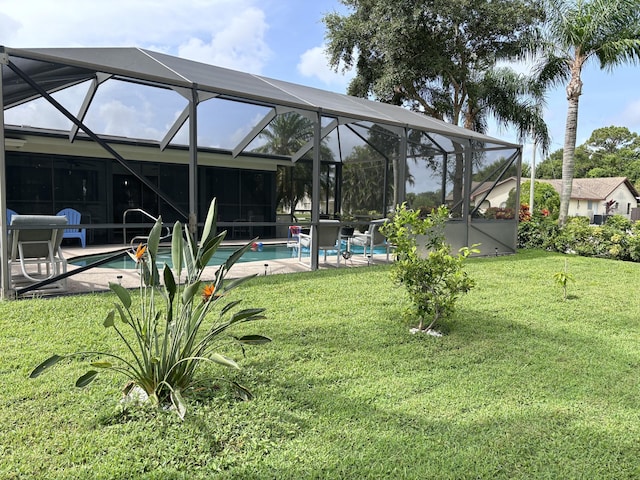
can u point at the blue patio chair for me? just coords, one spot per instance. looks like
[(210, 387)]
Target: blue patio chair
[(10, 214), (73, 218)]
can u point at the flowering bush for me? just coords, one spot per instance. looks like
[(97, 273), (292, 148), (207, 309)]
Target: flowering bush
[(171, 332)]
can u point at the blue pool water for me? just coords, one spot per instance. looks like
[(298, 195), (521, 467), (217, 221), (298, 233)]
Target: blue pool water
[(266, 253)]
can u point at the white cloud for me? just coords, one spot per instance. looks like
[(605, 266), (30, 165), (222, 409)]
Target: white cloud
[(226, 32), (239, 45), (125, 120), (630, 117), (314, 63)]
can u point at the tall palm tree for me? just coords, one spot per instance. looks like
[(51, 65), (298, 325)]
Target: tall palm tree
[(512, 99), (285, 135), (576, 32)]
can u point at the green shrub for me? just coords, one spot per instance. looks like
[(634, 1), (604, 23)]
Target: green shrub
[(435, 281), (539, 231), (618, 222)]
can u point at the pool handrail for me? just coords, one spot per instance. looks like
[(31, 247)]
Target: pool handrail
[(139, 237)]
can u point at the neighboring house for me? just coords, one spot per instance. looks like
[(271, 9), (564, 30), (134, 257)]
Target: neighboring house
[(589, 196), (496, 198)]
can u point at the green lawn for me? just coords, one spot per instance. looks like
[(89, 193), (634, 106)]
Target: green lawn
[(522, 385)]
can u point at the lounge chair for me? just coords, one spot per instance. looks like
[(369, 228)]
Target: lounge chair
[(328, 239), (371, 238), (34, 249), (73, 218)]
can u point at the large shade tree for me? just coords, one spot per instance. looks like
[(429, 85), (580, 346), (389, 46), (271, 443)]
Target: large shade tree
[(577, 32), (609, 152), (442, 58)]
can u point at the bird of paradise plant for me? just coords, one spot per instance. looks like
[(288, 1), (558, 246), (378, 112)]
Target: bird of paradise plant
[(172, 333)]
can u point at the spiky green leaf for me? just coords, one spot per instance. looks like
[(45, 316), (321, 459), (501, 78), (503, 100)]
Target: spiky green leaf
[(109, 319), (247, 313), (179, 403), (169, 282), (210, 222), (254, 339), (154, 239), (229, 306), (122, 293), (49, 362), (211, 249), (237, 281), (86, 379), (122, 313), (235, 256), (243, 393), (222, 360), (190, 291), (176, 248), (190, 251)]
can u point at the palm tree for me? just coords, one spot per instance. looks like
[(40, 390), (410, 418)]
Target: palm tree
[(510, 98), (285, 135), (576, 32)]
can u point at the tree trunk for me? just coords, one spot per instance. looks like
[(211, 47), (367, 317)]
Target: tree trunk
[(574, 90)]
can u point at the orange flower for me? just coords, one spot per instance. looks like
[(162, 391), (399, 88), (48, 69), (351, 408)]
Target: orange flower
[(140, 253), (208, 292)]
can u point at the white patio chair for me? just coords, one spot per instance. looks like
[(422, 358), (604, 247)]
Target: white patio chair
[(34, 249), (328, 239), (371, 239)]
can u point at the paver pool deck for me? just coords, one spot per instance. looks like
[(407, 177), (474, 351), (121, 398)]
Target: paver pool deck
[(97, 279)]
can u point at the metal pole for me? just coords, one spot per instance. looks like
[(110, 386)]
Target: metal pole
[(315, 193), (533, 175), (4, 250), (193, 163), (466, 189), (402, 169)]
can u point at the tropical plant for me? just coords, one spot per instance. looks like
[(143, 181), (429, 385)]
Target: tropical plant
[(433, 278), (539, 231), (285, 135), (172, 331), (562, 278), (576, 32)]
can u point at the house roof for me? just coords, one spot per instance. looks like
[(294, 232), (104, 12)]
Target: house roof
[(593, 188), (583, 188), (57, 68)]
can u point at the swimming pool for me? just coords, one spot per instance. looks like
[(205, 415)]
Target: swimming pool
[(267, 252)]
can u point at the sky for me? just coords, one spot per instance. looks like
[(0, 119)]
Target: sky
[(282, 39)]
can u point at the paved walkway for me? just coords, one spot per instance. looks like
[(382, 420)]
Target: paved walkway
[(98, 279)]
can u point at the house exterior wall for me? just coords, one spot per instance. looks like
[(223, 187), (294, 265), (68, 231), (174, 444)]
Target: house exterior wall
[(499, 195), (624, 199), (577, 206)]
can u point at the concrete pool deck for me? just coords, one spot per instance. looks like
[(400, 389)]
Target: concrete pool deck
[(97, 279)]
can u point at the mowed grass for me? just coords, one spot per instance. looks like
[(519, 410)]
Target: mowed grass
[(522, 384)]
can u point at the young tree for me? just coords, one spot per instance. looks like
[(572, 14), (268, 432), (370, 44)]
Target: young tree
[(425, 267), (576, 32)]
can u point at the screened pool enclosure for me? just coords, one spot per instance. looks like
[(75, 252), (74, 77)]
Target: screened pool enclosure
[(105, 129)]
